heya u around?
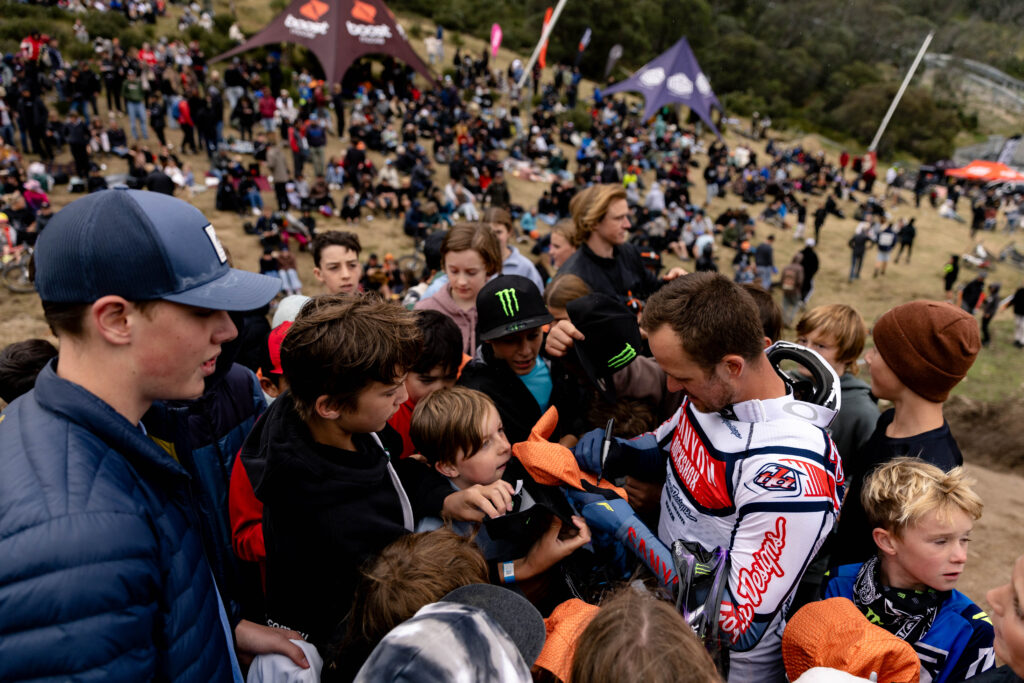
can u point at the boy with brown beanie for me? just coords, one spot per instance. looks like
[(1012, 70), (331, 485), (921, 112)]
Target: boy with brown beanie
[(922, 350)]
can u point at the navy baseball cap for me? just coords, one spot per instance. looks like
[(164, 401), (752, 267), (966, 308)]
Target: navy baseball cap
[(142, 246)]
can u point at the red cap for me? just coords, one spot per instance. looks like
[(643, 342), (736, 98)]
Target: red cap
[(274, 346)]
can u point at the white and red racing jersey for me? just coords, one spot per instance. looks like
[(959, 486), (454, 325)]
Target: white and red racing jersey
[(764, 481)]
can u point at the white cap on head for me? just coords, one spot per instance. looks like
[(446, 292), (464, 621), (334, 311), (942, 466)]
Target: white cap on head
[(288, 308)]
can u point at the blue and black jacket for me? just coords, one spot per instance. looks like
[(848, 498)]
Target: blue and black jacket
[(956, 647)]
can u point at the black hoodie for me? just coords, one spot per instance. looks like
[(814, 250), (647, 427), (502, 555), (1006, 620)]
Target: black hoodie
[(326, 512)]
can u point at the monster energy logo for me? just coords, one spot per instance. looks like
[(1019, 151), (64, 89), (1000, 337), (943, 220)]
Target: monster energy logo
[(622, 358), (509, 302)]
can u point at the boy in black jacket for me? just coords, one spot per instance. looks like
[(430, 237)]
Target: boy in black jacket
[(332, 496), (509, 369)]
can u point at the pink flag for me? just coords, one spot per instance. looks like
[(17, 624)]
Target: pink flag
[(495, 39)]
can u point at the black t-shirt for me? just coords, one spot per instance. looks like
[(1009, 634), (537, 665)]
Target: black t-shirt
[(936, 446)]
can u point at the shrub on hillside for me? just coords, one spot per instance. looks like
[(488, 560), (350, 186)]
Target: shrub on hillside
[(106, 24)]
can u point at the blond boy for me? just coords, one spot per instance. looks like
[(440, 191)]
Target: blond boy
[(921, 519)]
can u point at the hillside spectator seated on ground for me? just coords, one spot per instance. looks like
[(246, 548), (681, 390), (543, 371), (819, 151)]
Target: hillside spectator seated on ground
[(386, 190), (351, 206), (775, 214), (95, 182), (34, 196), (335, 174), (249, 193), (320, 194), (117, 139)]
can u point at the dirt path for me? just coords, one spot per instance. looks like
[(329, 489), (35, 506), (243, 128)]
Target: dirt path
[(998, 537)]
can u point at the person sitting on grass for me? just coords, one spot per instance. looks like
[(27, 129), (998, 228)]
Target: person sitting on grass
[(921, 520)]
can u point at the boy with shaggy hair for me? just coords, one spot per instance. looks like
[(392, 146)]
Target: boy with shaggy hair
[(460, 433), (837, 332), (333, 496), (921, 520), (437, 368), (336, 261)]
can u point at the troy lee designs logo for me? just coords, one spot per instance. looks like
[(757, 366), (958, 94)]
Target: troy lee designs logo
[(752, 583)]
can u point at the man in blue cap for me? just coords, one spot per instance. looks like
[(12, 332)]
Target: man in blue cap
[(103, 573)]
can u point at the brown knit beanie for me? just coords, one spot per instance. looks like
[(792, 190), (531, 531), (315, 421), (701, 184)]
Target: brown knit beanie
[(929, 346)]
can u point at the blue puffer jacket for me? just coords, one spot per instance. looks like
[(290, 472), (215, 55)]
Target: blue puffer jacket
[(102, 573), (204, 435)]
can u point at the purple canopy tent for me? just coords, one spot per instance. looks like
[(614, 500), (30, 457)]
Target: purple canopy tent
[(672, 77), (338, 32)]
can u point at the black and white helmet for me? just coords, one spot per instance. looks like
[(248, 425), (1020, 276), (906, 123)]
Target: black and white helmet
[(819, 386)]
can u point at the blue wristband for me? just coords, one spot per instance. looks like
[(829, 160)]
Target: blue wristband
[(508, 572)]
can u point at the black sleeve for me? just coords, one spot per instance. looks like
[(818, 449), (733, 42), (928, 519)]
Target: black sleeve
[(426, 488), (391, 440)]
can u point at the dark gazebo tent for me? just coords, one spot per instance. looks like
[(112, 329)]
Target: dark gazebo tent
[(338, 32), (673, 77)]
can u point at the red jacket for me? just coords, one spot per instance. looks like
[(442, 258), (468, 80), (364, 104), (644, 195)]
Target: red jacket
[(400, 422), (246, 513), (184, 115)]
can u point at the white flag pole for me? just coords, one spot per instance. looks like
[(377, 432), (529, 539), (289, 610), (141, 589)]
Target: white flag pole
[(899, 93), (543, 39)]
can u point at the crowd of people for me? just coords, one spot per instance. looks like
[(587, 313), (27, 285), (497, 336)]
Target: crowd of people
[(541, 456)]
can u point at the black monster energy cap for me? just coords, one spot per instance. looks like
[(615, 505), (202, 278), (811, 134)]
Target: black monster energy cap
[(509, 304)]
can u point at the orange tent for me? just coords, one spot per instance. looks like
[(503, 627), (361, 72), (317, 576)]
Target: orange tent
[(986, 170)]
